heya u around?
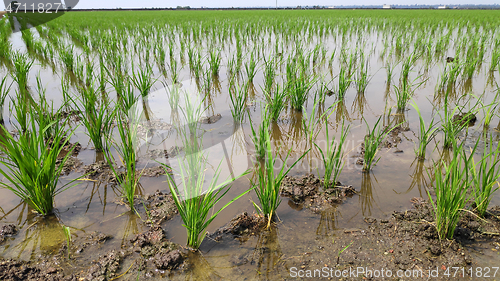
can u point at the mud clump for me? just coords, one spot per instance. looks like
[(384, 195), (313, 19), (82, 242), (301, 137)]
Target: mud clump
[(7, 230), (106, 267), (244, 224), (11, 270), (93, 239), (71, 165), (154, 171), (450, 59), (168, 260), (166, 153), (211, 119), (308, 191), (161, 207), (464, 119)]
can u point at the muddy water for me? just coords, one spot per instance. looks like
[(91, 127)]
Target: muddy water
[(397, 177)]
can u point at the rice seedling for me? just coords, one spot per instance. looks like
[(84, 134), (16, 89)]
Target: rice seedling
[(344, 83), (489, 110), (143, 80), (427, 133), (485, 176), (22, 66), (405, 92), (32, 165), (451, 185), (67, 234), (67, 58), (127, 125), (268, 184), (251, 68), (310, 123), (4, 91), (214, 61), (333, 156), (96, 116), (259, 135), (372, 143), (298, 88), (362, 78), (277, 103), (269, 75), (238, 99), (193, 201)]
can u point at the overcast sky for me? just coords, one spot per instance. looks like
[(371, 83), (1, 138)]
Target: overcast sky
[(87, 4)]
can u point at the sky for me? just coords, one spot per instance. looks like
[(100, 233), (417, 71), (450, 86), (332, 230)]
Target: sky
[(88, 4)]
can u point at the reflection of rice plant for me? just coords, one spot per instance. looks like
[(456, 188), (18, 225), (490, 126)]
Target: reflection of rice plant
[(485, 175), (450, 183), (333, 156), (427, 133), (372, 143), (268, 182), (32, 166), (193, 202)]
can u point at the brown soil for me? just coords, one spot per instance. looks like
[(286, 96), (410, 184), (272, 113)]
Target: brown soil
[(308, 192), (211, 119), (468, 118), (7, 231)]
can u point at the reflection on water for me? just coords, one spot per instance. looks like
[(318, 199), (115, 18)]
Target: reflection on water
[(418, 178), (367, 194), (267, 253), (327, 222)]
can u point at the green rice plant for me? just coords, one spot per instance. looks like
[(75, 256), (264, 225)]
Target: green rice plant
[(298, 87), (269, 75), (310, 123), (451, 185), (214, 60), (333, 156), (489, 110), (495, 59), (67, 234), (238, 96), (20, 106), (4, 91), (485, 175), (126, 148), (406, 68), (362, 77), (32, 165), (372, 143), (127, 98), (22, 66), (251, 68), (268, 184), (67, 58), (143, 80), (344, 83), (96, 116), (389, 69), (258, 136), (427, 133), (405, 92), (193, 201), (277, 103), (450, 127), (5, 49)]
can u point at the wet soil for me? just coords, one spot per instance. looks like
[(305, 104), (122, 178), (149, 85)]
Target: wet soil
[(308, 192), (211, 119), (166, 153), (7, 231), (466, 118)]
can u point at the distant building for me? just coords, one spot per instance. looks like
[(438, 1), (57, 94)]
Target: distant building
[(443, 7), (331, 7), (385, 6)]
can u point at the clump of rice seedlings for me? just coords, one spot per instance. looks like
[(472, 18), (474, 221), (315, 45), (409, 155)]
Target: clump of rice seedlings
[(406, 68), (298, 88), (258, 136), (333, 156), (126, 148), (451, 184), (127, 98), (345, 80), (485, 175), (5, 48), (96, 116), (32, 165), (194, 202), (405, 92), (268, 184), (214, 60), (495, 59), (372, 143), (143, 80), (67, 58), (427, 133), (22, 66), (450, 127), (269, 75), (362, 76), (238, 96), (207, 81), (489, 110), (251, 68), (277, 103), (310, 123), (389, 70), (4, 91)]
